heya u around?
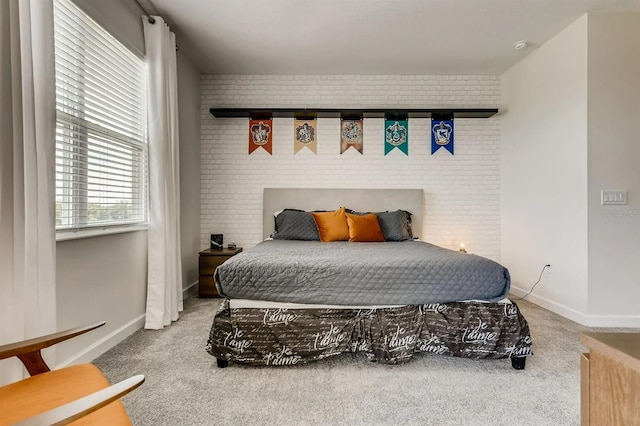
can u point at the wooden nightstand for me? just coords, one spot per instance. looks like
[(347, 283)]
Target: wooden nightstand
[(209, 261)]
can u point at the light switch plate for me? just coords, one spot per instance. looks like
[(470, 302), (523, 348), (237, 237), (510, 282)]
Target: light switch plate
[(613, 197)]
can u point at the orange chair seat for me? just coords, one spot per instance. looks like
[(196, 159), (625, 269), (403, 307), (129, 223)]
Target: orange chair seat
[(55, 388)]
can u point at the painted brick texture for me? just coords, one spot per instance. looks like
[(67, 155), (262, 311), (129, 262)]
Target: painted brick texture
[(461, 192)]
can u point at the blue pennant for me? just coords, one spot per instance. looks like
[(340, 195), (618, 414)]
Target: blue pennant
[(441, 135)]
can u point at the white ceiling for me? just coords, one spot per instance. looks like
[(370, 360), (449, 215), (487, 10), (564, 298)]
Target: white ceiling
[(368, 36)]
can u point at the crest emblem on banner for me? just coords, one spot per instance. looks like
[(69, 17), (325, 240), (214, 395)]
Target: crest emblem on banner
[(351, 135), (305, 135), (396, 136), (260, 135), (441, 135)]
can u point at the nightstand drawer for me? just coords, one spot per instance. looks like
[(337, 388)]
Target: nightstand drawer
[(208, 264), (207, 287)]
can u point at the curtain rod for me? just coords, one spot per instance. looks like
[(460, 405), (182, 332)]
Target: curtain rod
[(151, 18)]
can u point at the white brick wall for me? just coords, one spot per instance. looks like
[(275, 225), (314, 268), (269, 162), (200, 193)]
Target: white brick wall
[(462, 192)]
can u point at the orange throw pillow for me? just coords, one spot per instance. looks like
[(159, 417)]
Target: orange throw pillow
[(332, 226), (365, 228)]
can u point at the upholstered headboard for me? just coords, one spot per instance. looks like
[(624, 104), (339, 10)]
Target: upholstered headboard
[(373, 200)]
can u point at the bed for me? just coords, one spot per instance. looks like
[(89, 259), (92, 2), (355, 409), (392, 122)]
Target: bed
[(293, 298)]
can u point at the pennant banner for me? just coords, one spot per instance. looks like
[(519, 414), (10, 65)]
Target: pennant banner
[(305, 135), (351, 135), (441, 135), (396, 135), (260, 135)]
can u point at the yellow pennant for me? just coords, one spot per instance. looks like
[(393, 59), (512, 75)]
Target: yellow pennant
[(305, 134)]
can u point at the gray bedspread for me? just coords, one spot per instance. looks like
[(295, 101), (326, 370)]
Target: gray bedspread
[(344, 273)]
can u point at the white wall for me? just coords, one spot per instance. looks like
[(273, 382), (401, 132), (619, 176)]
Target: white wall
[(104, 278), (100, 278), (570, 130), (461, 192), (544, 172), (614, 155), (189, 115)]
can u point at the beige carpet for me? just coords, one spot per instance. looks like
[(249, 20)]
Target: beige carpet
[(184, 387)]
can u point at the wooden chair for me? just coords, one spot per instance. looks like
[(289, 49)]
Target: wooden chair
[(80, 393)]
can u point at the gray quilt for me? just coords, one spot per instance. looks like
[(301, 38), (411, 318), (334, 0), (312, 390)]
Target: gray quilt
[(344, 273)]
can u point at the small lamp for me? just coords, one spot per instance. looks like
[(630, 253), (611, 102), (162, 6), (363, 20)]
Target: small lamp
[(462, 248)]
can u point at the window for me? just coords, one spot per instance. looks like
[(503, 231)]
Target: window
[(101, 130)]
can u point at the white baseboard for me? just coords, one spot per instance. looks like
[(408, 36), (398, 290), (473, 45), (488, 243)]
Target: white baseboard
[(191, 290), (558, 308), (607, 321), (106, 343), (617, 321)]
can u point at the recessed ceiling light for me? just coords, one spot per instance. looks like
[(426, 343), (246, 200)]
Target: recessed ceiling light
[(520, 44)]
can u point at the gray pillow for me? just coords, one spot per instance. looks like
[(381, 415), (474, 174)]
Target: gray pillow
[(396, 225), (295, 225)]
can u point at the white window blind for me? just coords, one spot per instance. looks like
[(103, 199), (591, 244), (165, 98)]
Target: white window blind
[(101, 130)]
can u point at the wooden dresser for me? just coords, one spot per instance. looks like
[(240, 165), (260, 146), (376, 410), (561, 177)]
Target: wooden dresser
[(610, 379), (209, 261)]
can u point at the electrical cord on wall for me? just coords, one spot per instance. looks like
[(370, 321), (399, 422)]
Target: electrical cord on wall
[(534, 286)]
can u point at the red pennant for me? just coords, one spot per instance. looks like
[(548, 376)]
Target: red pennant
[(260, 135)]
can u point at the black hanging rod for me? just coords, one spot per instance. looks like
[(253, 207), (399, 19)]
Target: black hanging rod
[(366, 113)]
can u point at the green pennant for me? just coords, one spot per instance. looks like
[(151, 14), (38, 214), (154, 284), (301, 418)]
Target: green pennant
[(396, 135)]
